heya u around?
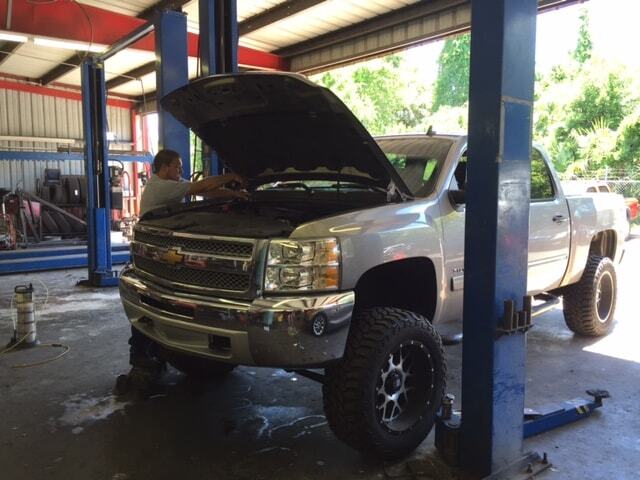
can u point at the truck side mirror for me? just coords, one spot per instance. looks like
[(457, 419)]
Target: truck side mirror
[(457, 197)]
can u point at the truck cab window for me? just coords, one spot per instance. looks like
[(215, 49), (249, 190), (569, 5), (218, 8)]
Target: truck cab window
[(541, 184), (415, 171), (460, 174)]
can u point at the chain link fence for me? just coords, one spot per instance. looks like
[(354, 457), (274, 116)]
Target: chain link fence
[(626, 183)]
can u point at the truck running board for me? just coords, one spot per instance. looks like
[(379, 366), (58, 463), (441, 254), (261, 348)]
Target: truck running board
[(549, 303)]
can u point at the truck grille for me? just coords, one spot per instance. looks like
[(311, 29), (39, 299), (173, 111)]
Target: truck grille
[(194, 261), (238, 282), (197, 245)]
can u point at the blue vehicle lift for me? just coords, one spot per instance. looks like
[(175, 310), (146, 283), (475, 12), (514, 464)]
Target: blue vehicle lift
[(94, 118), (64, 156), (171, 73), (45, 257), (487, 440), (59, 254), (549, 417), (218, 49), (171, 49)]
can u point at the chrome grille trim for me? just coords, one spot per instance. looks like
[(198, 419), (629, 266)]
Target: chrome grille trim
[(233, 282), (209, 245), (194, 262)]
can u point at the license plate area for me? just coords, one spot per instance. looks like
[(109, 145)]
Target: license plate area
[(182, 310)]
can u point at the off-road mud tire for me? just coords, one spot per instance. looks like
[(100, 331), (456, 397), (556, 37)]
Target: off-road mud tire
[(351, 392), (48, 223), (63, 224), (590, 304)]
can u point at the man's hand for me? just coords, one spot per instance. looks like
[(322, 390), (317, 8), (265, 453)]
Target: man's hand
[(211, 184), (235, 178)]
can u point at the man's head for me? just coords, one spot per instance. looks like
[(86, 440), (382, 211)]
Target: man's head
[(167, 164)]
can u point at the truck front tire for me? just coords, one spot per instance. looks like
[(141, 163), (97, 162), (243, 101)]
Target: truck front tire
[(589, 305), (382, 396)]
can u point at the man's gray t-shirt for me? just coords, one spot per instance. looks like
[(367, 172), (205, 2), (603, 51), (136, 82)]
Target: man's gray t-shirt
[(159, 192)]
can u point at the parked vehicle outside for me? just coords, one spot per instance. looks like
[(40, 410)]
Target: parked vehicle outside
[(601, 186)]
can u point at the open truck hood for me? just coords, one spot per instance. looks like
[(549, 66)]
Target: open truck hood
[(278, 126)]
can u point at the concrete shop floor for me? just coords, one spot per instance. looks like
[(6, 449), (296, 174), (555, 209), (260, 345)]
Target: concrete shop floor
[(60, 420)]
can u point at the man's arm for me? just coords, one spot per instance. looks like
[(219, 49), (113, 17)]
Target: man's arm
[(213, 183)]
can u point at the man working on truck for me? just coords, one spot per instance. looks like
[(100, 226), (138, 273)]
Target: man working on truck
[(167, 187)]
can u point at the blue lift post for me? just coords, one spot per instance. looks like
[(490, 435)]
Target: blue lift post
[(94, 118), (64, 156), (497, 226), (171, 73), (218, 48)]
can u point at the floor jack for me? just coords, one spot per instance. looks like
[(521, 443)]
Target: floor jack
[(448, 421)]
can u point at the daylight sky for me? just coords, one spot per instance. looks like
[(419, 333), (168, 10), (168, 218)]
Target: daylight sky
[(613, 26)]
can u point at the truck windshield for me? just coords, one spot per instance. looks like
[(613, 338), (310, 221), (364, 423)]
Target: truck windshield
[(418, 160)]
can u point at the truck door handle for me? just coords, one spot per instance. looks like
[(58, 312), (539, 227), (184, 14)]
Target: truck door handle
[(560, 218)]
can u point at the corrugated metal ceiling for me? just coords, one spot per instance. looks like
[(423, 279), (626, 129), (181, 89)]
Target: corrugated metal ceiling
[(32, 61), (323, 18), (304, 25)]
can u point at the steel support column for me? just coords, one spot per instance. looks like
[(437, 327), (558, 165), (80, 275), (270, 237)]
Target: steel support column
[(94, 119), (497, 225), (171, 73), (218, 50)]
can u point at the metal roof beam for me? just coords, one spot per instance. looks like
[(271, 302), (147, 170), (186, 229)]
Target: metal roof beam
[(134, 74), (398, 29), (73, 62), (275, 14), (148, 13), (373, 25), (6, 49), (53, 20), (58, 71)]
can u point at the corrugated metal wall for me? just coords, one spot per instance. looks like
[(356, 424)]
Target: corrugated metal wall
[(32, 115)]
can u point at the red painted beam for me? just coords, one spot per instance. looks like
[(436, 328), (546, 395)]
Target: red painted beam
[(70, 20), (54, 92)]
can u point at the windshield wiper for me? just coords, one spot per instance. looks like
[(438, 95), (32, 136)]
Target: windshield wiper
[(359, 186), (291, 185)]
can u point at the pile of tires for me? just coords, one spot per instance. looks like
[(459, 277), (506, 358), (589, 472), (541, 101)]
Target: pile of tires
[(71, 195), (55, 223)]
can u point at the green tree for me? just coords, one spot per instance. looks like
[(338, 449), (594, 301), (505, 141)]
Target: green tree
[(584, 47), (628, 142), (608, 101), (577, 117), (452, 84), (377, 92)]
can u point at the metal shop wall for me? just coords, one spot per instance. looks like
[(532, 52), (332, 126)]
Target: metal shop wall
[(28, 114)]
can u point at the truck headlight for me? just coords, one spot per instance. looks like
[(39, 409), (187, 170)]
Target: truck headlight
[(303, 265)]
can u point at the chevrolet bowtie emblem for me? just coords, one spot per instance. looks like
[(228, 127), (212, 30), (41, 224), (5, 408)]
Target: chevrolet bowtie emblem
[(172, 257)]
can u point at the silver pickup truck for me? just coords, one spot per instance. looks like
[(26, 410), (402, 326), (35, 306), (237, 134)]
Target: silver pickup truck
[(347, 256)]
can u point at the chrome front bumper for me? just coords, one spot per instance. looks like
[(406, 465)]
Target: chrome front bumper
[(289, 332)]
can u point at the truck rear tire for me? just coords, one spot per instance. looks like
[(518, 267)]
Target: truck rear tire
[(196, 367), (381, 397), (589, 305)]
